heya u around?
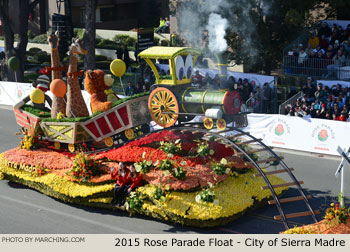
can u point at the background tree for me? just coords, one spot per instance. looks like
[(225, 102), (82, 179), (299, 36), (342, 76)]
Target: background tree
[(90, 34), (24, 8), (257, 30)]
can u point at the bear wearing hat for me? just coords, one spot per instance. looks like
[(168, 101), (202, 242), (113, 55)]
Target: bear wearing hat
[(38, 96)]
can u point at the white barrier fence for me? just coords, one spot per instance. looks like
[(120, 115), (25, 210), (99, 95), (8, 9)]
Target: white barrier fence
[(13, 92), (311, 135)]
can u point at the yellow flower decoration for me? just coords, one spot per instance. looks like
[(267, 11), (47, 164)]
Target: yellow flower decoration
[(60, 115)]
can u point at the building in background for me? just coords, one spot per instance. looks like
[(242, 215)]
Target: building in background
[(122, 14), (110, 14)]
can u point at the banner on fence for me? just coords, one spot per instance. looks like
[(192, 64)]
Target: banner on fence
[(311, 135), (13, 92), (330, 83), (342, 23)]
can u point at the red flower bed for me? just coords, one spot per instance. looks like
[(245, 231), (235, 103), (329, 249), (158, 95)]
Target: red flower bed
[(199, 172), (221, 150), (165, 136), (133, 154), (187, 142), (45, 157), (196, 176)]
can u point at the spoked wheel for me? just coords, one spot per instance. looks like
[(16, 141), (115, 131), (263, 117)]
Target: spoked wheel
[(71, 147), (163, 100), (208, 123), (221, 124), (129, 134), (57, 145), (109, 141)]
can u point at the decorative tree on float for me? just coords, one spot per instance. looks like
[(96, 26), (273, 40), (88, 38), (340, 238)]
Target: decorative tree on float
[(58, 103), (76, 106)]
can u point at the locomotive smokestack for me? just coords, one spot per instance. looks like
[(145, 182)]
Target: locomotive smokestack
[(222, 64)]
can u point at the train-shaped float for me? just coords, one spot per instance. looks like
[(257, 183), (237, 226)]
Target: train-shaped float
[(172, 100), (172, 103)]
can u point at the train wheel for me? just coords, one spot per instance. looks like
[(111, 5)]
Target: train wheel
[(71, 147), (109, 142), (208, 123), (129, 134), (57, 145), (221, 124), (163, 100)]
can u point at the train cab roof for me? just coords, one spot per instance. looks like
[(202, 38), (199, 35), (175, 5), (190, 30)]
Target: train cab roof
[(181, 63), (167, 52)]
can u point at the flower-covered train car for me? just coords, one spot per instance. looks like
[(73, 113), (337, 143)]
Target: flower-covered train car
[(125, 121)]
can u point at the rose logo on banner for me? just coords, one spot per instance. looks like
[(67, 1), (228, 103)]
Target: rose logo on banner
[(323, 135), (19, 93), (279, 130)]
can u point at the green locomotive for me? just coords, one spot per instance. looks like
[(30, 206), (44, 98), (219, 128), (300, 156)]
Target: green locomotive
[(174, 99)]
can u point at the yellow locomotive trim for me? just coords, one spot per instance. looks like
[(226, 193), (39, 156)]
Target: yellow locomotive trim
[(170, 53), (202, 100), (166, 52), (153, 67), (182, 99)]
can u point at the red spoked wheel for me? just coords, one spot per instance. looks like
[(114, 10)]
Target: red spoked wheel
[(221, 124), (208, 123)]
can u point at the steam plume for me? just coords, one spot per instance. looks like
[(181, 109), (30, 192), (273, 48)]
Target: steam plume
[(217, 30)]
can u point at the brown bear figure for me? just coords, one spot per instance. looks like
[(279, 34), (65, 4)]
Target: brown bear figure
[(95, 86)]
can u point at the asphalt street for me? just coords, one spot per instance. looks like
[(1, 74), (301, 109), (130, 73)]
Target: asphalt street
[(26, 211)]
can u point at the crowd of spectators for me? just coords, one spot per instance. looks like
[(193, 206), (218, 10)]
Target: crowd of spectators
[(326, 51), (322, 102), (260, 98), (142, 85)]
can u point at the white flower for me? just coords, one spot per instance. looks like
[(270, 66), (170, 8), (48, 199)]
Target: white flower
[(170, 155), (143, 154), (198, 198), (137, 167), (211, 152), (183, 163), (223, 161), (156, 163), (177, 141), (227, 171)]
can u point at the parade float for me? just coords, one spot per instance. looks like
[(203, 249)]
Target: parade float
[(198, 174)]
